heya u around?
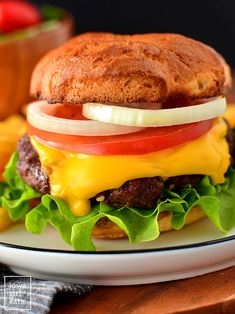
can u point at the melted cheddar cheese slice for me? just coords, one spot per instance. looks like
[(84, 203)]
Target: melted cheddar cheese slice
[(77, 177)]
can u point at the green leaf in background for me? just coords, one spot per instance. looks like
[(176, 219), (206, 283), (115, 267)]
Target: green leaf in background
[(51, 15), (51, 12)]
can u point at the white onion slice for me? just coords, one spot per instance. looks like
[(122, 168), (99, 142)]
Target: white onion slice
[(39, 119), (153, 118)]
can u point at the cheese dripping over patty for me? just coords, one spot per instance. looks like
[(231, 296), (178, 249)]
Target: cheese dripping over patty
[(77, 177)]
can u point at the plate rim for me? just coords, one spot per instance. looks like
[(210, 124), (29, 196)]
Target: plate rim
[(119, 252)]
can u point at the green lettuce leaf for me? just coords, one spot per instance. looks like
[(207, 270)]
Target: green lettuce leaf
[(217, 202), (15, 194), (81, 234)]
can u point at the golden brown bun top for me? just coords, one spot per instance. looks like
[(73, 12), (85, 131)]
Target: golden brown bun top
[(108, 68)]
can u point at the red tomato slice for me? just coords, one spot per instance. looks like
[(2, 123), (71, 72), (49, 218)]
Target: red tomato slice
[(16, 15), (143, 142)]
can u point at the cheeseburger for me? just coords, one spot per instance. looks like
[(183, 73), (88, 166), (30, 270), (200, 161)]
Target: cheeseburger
[(126, 140)]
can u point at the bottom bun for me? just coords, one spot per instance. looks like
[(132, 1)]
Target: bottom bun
[(105, 228)]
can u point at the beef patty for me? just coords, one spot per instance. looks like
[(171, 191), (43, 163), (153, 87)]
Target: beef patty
[(30, 168), (139, 193)]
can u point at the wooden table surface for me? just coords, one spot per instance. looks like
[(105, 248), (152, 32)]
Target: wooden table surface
[(209, 294)]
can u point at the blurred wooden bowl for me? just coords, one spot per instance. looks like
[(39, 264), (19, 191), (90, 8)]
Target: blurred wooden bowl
[(18, 59)]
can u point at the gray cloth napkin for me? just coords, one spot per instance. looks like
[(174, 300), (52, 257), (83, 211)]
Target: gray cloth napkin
[(19, 295)]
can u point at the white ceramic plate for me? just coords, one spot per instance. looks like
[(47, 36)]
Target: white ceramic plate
[(195, 250)]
